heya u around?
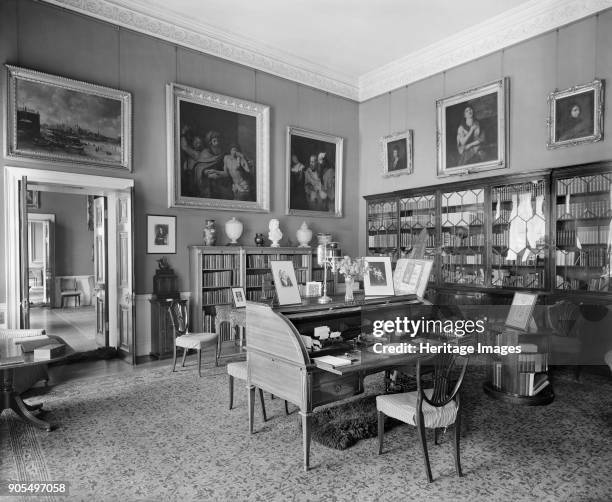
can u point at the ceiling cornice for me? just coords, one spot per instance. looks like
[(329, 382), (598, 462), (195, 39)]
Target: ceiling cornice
[(516, 25)]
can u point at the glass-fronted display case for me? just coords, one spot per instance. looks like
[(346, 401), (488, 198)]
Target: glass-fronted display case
[(583, 217), (382, 227), (418, 226)]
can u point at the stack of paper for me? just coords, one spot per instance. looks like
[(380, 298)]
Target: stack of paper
[(333, 360)]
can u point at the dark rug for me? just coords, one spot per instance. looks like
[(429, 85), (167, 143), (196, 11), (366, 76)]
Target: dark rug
[(101, 353)]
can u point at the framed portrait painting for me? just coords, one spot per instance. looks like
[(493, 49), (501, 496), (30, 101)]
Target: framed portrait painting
[(378, 280), (218, 151), (313, 173), (576, 115), (32, 199), (396, 154), (285, 282), (51, 118), (161, 234), (472, 130)]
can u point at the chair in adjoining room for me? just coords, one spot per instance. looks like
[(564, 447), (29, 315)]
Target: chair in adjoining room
[(239, 370), (68, 289), (179, 313), (432, 408)]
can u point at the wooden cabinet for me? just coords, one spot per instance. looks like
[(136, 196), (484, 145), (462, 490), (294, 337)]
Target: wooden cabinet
[(543, 231), (162, 331)]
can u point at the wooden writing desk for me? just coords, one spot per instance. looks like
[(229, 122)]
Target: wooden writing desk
[(279, 362)]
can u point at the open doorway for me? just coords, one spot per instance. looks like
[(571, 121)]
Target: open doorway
[(61, 271)]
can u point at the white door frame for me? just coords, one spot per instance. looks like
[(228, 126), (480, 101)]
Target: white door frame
[(84, 184)]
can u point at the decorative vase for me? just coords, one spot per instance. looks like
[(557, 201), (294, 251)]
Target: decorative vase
[(259, 240), (348, 292), (304, 235), (233, 230), (210, 233), (274, 234)]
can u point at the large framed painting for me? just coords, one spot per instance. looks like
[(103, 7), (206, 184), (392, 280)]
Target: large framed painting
[(218, 151), (51, 118), (576, 115), (472, 129), (396, 153), (313, 173)]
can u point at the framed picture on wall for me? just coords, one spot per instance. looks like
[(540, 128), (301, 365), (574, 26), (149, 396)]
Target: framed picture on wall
[(378, 281), (33, 199), (313, 173), (51, 118), (161, 234), (472, 129), (396, 153), (576, 115), (218, 151)]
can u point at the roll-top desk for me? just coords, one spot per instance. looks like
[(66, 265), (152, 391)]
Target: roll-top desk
[(280, 363)]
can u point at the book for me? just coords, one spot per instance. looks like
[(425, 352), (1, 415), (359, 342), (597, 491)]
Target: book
[(11, 360), (49, 351), (33, 342), (333, 360)]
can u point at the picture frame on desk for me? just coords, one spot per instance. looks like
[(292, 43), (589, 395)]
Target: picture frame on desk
[(239, 297), (378, 280), (521, 311), (411, 276), (285, 282)]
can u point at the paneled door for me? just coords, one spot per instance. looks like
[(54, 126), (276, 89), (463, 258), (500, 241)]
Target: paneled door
[(125, 282), (24, 299), (100, 293)]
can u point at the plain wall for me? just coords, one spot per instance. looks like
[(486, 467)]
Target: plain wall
[(47, 38), (572, 55), (73, 241)]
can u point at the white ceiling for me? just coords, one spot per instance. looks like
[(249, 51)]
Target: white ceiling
[(354, 48)]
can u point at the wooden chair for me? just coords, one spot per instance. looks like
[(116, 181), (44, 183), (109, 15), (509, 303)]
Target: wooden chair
[(179, 314), (68, 289), (432, 408)]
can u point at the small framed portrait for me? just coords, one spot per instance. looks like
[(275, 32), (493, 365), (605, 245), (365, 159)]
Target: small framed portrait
[(378, 280), (239, 297), (218, 151), (57, 119), (411, 276), (576, 115), (285, 282), (472, 129), (33, 199), (396, 154), (521, 311), (313, 289), (161, 234), (313, 173)]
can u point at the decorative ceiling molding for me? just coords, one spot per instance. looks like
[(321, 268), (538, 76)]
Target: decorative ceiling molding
[(514, 26)]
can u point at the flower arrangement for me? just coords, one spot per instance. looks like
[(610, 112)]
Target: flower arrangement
[(352, 268)]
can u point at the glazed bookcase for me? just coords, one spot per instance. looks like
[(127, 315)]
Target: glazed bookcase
[(547, 231)]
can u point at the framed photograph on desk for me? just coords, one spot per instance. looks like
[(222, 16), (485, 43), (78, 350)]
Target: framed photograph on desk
[(239, 297), (378, 280), (411, 276), (521, 310), (285, 282)]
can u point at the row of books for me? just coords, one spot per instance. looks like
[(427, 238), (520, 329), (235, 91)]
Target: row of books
[(448, 239), (533, 362), (597, 183), (383, 240), (217, 296), (505, 193), (422, 220), (597, 257), (532, 260), (529, 384), (257, 279), (420, 204), (583, 235), (382, 210), (462, 276), (462, 259), (406, 240), (219, 279), (218, 261), (592, 209)]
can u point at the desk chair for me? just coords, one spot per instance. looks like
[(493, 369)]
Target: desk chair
[(68, 289), (179, 314), (431, 408)]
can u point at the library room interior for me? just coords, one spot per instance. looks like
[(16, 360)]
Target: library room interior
[(306, 250)]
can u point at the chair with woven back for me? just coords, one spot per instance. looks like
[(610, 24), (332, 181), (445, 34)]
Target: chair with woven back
[(179, 314), (435, 407)]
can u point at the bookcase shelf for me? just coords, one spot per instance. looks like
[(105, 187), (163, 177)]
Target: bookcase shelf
[(548, 230), (215, 270)]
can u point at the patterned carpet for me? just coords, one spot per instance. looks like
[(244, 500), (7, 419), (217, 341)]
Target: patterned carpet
[(155, 435)]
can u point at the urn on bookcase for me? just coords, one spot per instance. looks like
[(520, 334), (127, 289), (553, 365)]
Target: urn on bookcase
[(210, 233), (233, 230), (304, 236)]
